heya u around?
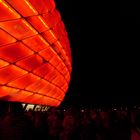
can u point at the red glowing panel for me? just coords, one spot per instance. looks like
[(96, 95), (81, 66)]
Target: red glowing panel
[(55, 61), (24, 81), (39, 23), (65, 87), (51, 75), (35, 98), (50, 101), (64, 42), (43, 69), (59, 81), (65, 71), (69, 68), (10, 73), (46, 89), (49, 36), (59, 93), (36, 43), (61, 97), (67, 62), (37, 85), (18, 28), (5, 38), (63, 54), (43, 6), (56, 15), (5, 91), (47, 53), (14, 52), (67, 77), (53, 92), (51, 18), (62, 57), (19, 96), (62, 26), (27, 97), (58, 30), (24, 7), (6, 12), (30, 62), (60, 67), (57, 46), (3, 63)]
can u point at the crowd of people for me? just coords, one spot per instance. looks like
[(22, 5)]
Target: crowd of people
[(70, 124)]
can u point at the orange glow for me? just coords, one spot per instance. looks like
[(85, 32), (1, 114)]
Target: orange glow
[(57, 47), (3, 63), (30, 62), (23, 7), (38, 23), (36, 86), (6, 91), (36, 43), (51, 75), (43, 70), (49, 36), (65, 87), (10, 73), (19, 28), (35, 56), (43, 6), (14, 52), (47, 53), (23, 81), (67, 77), (55, 61), (59, 81), (6, 12), (46, 89), (5, 38), (60, 67), (52, 18)]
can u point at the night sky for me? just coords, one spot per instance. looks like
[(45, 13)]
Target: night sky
[(105, 61)]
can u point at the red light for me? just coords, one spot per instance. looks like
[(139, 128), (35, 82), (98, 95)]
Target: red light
[(35, 56), (36, 43), (43, 6), (5, 38), (18, 28), (24, 7), (39, 23), (14, 52), (7, 12)]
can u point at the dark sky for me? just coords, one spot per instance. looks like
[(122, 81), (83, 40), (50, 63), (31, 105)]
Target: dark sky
[(105, 63)]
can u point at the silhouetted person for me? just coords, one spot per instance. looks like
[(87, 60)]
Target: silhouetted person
[(120, 126), (15, 125), (135, 132)]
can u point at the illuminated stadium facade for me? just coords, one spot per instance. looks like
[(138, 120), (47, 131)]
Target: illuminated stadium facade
[(35, 55)]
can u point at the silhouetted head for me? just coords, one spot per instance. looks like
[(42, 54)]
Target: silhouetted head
[(4, 105), (137, 122), (16, 108)]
